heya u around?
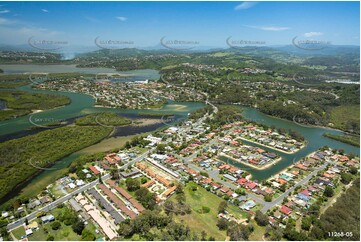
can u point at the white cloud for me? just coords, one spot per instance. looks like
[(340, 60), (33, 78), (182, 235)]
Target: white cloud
[(312, 34), (5, 11), (268, 28), (45, 10), (121, 18), (4, 21), (91, 19), (245, 5)]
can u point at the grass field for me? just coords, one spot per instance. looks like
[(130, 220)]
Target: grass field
[(206, 221), (258, 232)]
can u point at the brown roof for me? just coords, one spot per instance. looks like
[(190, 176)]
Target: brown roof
[(140, 166), (148, 183), (137, 205), (119, 189), (125, 194), (119, 203), (94, 170), (163, 180), (169, 191)]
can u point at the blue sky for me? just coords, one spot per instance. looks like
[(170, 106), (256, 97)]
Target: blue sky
[(209, 23)]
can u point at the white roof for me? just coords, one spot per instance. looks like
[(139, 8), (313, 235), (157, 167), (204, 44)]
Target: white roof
[(71, 185)]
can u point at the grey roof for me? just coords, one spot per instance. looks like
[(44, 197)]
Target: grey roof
[(109, 208), (47, 218), (75, 205)]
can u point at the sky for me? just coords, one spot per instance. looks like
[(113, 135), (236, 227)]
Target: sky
[(144, 24)]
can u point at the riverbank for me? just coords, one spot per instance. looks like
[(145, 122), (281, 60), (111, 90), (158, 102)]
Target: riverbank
[(347, 139), (39, 181), (288, 167), (250, 165), (271, 147)]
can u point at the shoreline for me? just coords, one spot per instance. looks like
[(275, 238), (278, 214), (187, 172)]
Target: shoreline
[(289, 167), (250, 165), (300, 124), (273, 148)]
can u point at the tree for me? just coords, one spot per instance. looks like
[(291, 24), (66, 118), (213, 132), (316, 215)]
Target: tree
[(306, 223), (261, 218), (353, 170), (222, 224), (268, 198), (161, 148), (204, 209), (86, 235), (4, 233), (329, 192), (114, 173), (222, 206), (50, 238), (132, 184), (203, 173), (143, 180), (55, 225), (238, 232), (26, 221), (277, 234), (346, 178), (78, 227), (203, 235), (100, 178)]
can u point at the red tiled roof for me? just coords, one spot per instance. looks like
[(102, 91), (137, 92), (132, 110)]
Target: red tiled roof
[(286, 210), (251, 185), (169, 191), (125, 194), (94, 170), (119, 203), (148, 183), (305, 192), (119, 189), (242, 181)]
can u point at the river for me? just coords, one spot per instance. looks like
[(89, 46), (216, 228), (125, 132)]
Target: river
[(313, 135), (82, 104)]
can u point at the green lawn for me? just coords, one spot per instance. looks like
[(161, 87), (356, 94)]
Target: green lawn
[(206, 221), (258, 232), (64, 233)]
